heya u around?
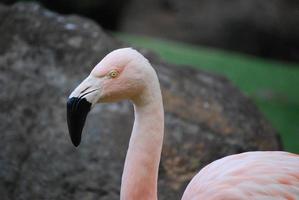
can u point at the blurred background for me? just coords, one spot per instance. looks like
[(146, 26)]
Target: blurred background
[(254, 43), (213, 52), (266, 29)]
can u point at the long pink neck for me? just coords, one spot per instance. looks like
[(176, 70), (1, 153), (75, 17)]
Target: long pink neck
[(140, 175)]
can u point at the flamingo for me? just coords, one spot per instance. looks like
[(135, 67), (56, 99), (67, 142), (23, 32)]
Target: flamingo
[(126, 74)]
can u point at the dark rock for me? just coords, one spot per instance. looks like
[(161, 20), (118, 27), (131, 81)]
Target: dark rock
[(106, 12), (43, 56), (264, 28)]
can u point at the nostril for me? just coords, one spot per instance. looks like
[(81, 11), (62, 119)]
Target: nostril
[(85, 89)]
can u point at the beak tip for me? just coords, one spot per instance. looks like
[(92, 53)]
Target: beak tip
[(76, 141), (76, 144)]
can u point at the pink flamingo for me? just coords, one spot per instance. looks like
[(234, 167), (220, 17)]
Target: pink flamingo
[(126, 74)]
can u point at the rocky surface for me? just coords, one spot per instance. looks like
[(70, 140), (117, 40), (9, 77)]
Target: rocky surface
[(43, 56), (105, 12), (264, 28)]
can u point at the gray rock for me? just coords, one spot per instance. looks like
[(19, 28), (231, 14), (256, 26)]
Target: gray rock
[(43, 56), (264, 28), (105, 12)]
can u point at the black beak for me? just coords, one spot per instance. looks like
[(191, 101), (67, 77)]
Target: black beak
[(77, 110)]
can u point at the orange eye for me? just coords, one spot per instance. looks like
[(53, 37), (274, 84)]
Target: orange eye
[(113, 73)]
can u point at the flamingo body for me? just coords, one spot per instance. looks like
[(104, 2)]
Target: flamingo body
[(252, 175)]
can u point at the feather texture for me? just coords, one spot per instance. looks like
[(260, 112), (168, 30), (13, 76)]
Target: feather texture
[(253, 175)]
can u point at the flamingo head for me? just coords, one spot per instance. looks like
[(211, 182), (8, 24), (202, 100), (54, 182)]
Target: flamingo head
[(122, 74)]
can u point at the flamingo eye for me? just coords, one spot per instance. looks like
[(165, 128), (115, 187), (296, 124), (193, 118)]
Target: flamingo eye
[(113, 73)]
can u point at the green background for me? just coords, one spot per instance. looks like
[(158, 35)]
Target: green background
[(272, 85)]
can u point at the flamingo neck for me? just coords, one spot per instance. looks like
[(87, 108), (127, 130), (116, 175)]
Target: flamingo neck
[(140, 175)]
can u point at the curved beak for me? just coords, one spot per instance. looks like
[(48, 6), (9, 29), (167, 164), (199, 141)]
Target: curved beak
[(77, 110), (78, 107)]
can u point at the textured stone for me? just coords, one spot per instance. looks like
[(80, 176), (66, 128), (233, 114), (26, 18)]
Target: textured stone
[(43, 56)]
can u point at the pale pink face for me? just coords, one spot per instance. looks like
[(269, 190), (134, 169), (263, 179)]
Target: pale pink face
[(122, 74)]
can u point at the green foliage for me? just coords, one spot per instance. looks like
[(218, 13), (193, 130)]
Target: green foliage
[(273, 85)]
